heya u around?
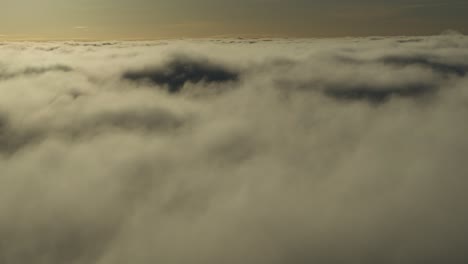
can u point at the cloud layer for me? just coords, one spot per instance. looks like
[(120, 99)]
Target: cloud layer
[(234, 151)]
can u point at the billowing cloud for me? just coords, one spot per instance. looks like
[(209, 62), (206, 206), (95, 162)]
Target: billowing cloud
[(234, 151)]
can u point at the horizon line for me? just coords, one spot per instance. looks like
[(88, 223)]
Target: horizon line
[(5, 38)]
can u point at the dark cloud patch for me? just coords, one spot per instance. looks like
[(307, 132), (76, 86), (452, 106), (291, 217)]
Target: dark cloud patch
[(155, 121), (3, 130), (379, 94), (90, 44), (412, 40), (12, 139), (366, 92), (42, 70), (48, 49), (34, 70), (424, 61), (181, 70)]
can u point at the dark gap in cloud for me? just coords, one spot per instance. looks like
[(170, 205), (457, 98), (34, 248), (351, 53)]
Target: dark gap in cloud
[(372, 93), (28, 71), (48, 48), (181, 70), (409, 40), (403, 61), (440, 67), (42, 70), (378, 94), (97, 44)]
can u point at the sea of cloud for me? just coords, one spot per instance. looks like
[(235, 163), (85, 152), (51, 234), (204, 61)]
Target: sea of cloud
[(235, 151)]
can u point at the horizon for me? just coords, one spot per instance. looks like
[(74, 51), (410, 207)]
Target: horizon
[(239, 37), (143, 19)]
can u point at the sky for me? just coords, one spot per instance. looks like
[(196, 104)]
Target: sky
[(148, 19)]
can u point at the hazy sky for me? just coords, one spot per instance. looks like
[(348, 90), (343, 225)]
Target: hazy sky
[(202, 18)]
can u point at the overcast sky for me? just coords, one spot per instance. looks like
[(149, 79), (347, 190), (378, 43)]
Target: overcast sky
[(124, 19)]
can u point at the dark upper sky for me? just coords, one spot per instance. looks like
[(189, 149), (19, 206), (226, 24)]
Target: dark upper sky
[(128, 19)]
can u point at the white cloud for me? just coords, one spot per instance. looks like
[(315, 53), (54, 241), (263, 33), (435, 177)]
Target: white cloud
[(265, 151)]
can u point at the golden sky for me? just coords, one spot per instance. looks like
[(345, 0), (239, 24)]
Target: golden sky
[(147, 19)]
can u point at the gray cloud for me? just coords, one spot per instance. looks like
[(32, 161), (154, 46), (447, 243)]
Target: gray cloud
[(458, 69), (316, 151), (181, 70), (34, 70), (378, 95)]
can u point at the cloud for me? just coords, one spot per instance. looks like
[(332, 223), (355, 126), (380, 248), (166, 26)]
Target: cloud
[(207, 151), (378, 95), (181, 70), (34, 70), (424, 61)]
